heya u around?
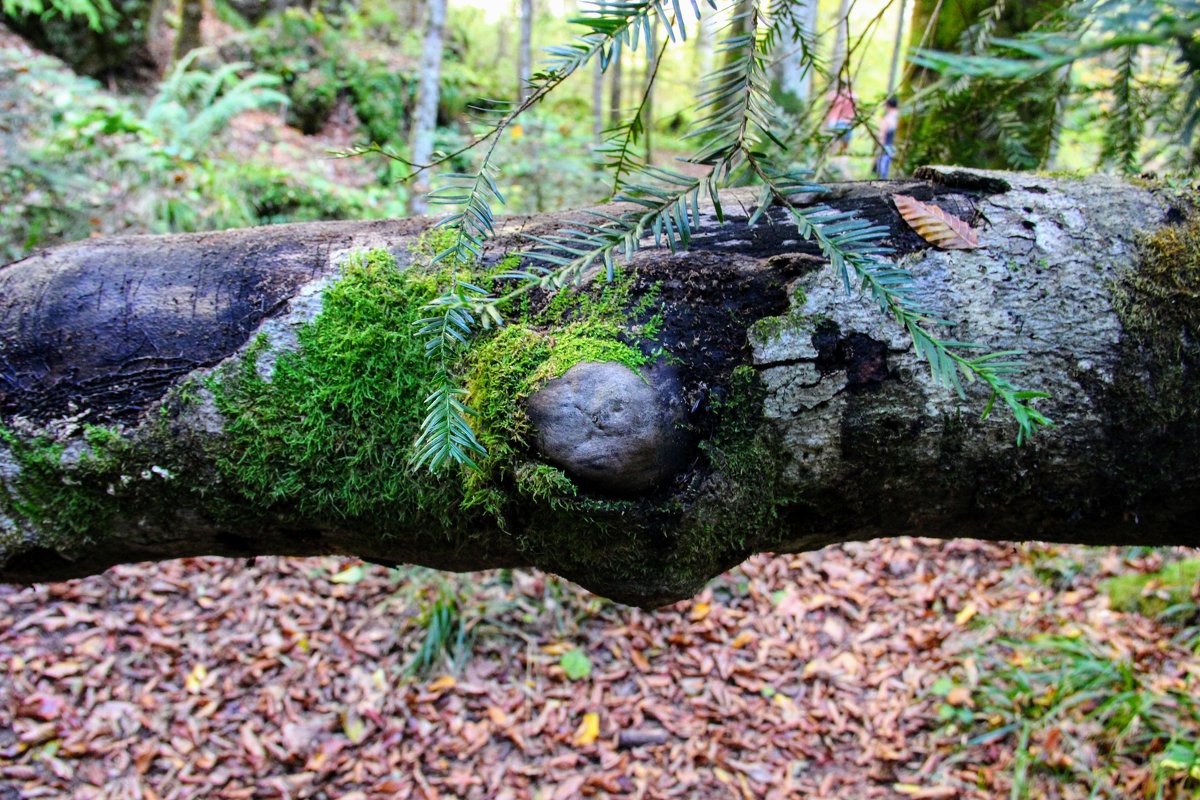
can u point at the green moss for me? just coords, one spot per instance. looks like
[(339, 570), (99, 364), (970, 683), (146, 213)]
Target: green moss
[(509, 365), (1159, 307), (70, 498), (327, 437), (1153, 593)]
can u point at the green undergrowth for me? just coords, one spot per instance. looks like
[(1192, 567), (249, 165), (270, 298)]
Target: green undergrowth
[(1155, 593), (1076, 711)]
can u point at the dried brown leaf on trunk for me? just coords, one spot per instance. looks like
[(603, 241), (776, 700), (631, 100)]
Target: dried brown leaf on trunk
[(940, 228)]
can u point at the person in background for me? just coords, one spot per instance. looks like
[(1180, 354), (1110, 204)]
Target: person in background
[(887, 136), (840, 119)]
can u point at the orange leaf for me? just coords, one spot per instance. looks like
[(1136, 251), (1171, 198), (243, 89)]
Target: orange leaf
[(941, 229), (589, 729), (699, 612), (443, 683)]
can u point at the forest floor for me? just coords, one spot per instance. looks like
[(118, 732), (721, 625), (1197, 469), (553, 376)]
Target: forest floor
[(859, 671)]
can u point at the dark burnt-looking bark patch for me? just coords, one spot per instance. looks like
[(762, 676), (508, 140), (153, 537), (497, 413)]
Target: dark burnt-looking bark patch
[(107, 333)]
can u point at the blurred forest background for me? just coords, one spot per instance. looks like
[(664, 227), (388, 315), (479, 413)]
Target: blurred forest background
[(898, 668)]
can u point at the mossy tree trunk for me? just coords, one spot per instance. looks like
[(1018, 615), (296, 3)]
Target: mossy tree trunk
[(258, 391), (187, 39), (986, 124)]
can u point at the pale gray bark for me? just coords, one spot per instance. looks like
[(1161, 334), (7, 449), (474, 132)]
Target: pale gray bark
[(894, 70), (648, 87), (614, 90), (792, 75), (841, 39), (424, 121), (854, 439), (525, 50), (597, 103)]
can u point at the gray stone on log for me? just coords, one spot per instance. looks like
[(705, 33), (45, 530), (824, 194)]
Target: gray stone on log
[(609, 427)]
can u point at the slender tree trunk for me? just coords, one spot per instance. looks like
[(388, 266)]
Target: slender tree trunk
[(191, 12), (424, 122), (614, 90), (597, 103), (702, 52), (894, 70), (648, 87), (237, 393), (841, 41), (525, 53), (794, 77)]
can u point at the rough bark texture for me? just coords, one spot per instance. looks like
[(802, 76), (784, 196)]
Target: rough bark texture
[(425, 111), (139, 376)]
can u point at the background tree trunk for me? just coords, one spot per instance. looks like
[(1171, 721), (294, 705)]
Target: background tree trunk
[(614, 91), (793, 78), (985, 124), (841, 39), (187, 39), (525, 51), (140, 383), (424, 119), (894, 69)]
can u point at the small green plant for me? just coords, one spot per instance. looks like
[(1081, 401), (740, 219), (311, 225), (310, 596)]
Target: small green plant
[(576, 664), (1074, 710), (447, 639)]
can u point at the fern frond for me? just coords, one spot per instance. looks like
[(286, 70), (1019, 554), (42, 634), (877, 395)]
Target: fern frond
[(446, 435), (473, 220)]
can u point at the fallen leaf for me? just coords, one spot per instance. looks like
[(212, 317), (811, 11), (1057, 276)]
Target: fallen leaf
[(699, 612), (195, 678), (966, 614), (351, 575), (940, 228), (442, 684), (589, 729), (741, 640)]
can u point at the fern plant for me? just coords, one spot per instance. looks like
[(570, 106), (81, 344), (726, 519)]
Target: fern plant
[(1152, 47), (738, 138), (192, 105)]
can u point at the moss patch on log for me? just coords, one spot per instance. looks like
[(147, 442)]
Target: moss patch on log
[(68, 496), (1154, 418), (327, 437)]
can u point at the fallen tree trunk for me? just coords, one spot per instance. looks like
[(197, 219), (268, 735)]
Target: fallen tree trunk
[(258, 392)]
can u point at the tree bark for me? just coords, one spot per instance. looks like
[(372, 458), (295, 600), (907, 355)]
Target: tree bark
[(793, 77), (424, 121), (525, 50), (614, 91), (796, 416), (191, 14)]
